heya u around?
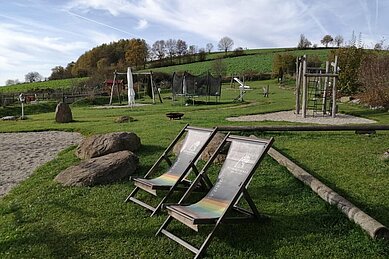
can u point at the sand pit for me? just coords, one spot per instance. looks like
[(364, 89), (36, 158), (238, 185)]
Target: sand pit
[(340, 119), (22, 153)]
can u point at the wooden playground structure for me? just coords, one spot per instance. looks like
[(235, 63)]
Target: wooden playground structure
[(316, 88)]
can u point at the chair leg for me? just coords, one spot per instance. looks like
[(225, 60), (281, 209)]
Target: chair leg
[(206, 243), (164, 225), (132, 194)]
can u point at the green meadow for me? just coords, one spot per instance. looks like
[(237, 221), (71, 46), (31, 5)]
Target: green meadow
[(42, 219)]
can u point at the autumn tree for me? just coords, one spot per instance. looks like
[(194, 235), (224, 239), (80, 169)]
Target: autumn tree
[(33, 77), (136, 55), (303, 42), (327, 39), (225, 44), (338, 41), (209, 47)]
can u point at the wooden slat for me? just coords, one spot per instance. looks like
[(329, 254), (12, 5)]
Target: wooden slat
[(180, 241), (141, 203)]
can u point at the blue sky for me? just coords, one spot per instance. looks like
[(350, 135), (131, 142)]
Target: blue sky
[(38, 35)]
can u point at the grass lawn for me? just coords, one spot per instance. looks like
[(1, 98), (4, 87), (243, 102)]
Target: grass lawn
[(41, 219)]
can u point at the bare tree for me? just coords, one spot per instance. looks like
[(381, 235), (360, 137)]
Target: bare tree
[(33, 77), (225, 44), (171, 47), (182, 47), (209, 47), (338, 41), (303, 42), (159, 49), (12, 82)]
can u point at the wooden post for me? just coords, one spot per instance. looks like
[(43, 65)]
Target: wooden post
[(152, 86), (305, 87), (333, 115), (326, 81), (112, 87), (374, 228), (297, 85)]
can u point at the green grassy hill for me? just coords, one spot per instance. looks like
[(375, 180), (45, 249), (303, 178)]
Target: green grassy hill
[(36, 86), (259, 60)]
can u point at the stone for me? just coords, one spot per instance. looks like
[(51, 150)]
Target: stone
[(210, 149), (111, 168), (9, 118), (385, 156), (99, 145), (345, 99), (63, 114), (123, 119)]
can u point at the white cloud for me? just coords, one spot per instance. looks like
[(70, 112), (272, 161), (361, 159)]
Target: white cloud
[(142, 24)]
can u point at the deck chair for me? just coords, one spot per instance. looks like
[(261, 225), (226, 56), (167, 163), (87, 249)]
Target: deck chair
[(194, 143), (243, 158)]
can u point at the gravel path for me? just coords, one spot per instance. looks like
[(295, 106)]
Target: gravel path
[(340, 119), (22, 153)]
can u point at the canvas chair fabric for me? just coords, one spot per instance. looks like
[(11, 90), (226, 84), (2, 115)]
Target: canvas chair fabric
[(243, 158), (193, 145)]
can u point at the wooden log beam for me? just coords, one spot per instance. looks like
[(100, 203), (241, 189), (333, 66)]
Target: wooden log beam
[(370, 127), (375, 229)]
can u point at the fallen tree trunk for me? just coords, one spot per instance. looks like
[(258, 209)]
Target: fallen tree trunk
[(375, 229)]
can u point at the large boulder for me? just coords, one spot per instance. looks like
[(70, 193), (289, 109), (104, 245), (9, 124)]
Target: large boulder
[(63, 114), (106, 169), (210, 149), (99, 145)]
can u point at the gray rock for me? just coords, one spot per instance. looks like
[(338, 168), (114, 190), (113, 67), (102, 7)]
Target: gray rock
[(106, 169), (210, 149), (63, 114), (99, 145), (345, 99), (9, 118), (385, 156)]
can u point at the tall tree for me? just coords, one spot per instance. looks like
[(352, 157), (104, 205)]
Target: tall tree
[(225, 44), (209, 47), (218, 67), (338, 40), (182, 47), (57, 72), (303, 42), (192, 49), (171, 47), (33, 77), (159, 49), (137, 52), (12, 82), (327, 39)]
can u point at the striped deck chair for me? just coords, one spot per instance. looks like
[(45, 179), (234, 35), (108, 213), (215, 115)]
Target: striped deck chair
[(194, 143), (243, 158)]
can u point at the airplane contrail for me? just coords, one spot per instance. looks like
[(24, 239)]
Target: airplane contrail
[(102, 24)]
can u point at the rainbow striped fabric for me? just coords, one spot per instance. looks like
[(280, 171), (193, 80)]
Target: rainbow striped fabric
[(166, 179), (204, 209)]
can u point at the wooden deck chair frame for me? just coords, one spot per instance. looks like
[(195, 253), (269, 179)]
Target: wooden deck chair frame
[(182, 183), (244, 215)]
